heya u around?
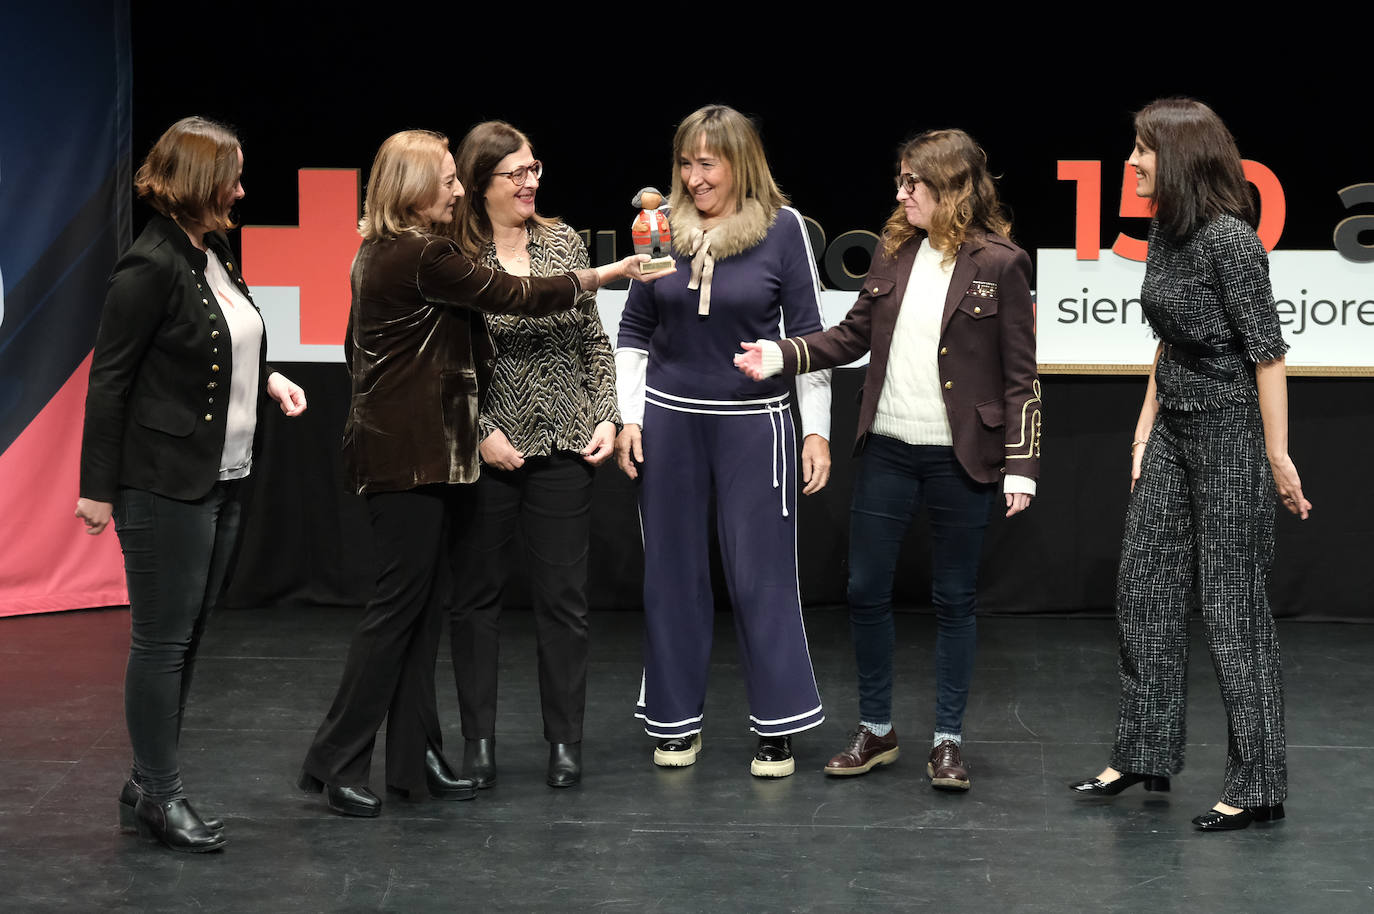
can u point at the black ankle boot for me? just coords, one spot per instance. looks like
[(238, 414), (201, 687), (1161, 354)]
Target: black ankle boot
[(175, 825), (479, 761), (443, 784), (128, 820), (565, 764)]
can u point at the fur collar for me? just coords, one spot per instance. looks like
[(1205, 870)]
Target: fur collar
[(737, 234)]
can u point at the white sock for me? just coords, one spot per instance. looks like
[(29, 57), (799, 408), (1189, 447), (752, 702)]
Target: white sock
[(877, 729), (941, 737)]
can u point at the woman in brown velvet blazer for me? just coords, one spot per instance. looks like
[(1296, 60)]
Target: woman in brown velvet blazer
[(417, 350), (951, 408)]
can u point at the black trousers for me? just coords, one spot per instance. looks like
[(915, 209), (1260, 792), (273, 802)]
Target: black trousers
[(389, 673), (549, 501), (176, 555)]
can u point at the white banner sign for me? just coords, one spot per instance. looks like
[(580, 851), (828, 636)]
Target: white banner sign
[(1089, 318)]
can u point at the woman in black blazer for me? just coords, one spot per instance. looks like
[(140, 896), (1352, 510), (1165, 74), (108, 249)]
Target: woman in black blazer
[(172, 413)]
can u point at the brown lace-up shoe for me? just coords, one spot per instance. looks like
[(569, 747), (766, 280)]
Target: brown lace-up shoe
[(863, 752), (946, 767)]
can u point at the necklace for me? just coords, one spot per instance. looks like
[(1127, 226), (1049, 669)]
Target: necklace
[(517, 245)]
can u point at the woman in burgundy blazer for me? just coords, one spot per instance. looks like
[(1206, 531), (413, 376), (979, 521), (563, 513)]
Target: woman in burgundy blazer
[(951, 407)]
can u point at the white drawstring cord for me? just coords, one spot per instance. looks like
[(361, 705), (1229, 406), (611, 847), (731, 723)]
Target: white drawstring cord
[(779, 452)]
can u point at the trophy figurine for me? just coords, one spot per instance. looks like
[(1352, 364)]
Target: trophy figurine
[(650, 231)]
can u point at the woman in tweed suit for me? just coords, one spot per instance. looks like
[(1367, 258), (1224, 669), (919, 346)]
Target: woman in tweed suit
[(1210, 448)]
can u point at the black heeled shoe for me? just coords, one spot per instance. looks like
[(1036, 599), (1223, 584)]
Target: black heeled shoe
[(479, 761), (773, 758), (1093, 787), (346, 801), (175, 825), (128, 819), (565, 764), (1215, 820), (443, 784)]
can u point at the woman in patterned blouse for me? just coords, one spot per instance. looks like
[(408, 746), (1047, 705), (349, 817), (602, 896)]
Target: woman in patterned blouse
[(547, 420), (1210, 448)]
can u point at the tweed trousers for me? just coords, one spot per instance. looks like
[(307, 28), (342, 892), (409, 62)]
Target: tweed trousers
[(1200, 531)]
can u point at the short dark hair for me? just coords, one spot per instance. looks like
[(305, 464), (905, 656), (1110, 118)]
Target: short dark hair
[(190, 170), (1198, 172)]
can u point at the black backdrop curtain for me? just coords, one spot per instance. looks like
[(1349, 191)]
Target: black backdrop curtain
[(835, 98)]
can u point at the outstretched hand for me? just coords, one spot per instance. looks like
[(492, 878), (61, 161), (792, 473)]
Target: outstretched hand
[(750, 361)]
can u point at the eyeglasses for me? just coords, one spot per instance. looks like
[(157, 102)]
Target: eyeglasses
[(907, 181), (519, 176)]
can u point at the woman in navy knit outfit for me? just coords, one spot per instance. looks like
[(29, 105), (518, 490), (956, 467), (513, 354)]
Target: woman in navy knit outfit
[(693, 425)]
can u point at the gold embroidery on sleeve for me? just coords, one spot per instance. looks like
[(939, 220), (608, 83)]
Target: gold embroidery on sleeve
[(1030, 427)]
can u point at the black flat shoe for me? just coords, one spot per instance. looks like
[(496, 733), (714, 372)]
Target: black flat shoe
[(773, 758), (1214, 820), (443, 784), (1092, 787), (479, 761), (128, 800), (565, 764), (175, 825), (346, 801)]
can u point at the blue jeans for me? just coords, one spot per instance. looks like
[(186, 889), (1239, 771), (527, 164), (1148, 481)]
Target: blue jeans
[(176, 555), (894, 480)]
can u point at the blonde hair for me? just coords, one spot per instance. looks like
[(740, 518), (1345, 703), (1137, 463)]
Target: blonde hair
[(727, 133), (404, 181), (190, 173), (955, 169)]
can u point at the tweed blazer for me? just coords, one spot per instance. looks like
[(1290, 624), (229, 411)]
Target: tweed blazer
[(160, 376), (986, 355)]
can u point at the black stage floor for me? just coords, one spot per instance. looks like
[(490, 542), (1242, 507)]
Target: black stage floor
[(709, 838)]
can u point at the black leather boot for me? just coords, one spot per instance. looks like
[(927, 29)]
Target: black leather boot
[(565, 764), (175, 825), (128, 820), (479, 761), (443, 784)]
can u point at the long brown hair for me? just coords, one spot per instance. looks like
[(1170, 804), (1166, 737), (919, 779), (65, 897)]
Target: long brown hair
[(730, 134), (955, 169), (477, 157), (1198, 172), (190, 172)]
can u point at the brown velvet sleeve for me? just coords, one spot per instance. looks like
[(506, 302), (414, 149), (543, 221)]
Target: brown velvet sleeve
[(446, 275)]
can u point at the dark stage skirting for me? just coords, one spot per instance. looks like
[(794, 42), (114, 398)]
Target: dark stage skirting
[(710, 838), (307, 544)]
